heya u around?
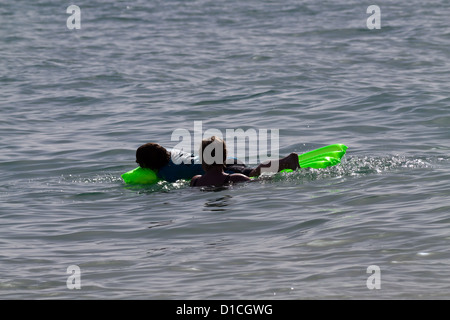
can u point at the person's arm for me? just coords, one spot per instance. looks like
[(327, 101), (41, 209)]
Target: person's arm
[(288, 162), (239, 177)]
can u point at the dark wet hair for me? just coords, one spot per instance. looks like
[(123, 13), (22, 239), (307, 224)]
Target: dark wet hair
[(217, 145), (152, 156)]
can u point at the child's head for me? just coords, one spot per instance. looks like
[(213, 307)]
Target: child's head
[(214, 153), (152, 156)]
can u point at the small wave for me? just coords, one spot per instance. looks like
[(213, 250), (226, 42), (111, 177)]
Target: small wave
[(354, 166), (161, 186), (350, 166), (370, 165), (96, 179)]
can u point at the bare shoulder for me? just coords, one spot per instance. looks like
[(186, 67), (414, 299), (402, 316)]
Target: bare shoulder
[(194, 179), (239, 177)]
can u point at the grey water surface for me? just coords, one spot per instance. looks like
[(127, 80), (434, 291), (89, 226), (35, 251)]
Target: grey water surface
[(76, 103)]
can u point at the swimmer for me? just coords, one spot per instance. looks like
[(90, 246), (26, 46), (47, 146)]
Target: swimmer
[(214, 156), (175, 164)]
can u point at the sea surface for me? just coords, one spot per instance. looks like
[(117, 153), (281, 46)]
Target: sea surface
[(76, 103)]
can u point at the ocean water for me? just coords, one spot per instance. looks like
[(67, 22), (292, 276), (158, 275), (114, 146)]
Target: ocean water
[(76, 103)]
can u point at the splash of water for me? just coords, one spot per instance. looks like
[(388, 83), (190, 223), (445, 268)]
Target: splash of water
[(355, 166), (350, 166)]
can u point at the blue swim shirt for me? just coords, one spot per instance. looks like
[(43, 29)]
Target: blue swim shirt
[(182, 165)]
